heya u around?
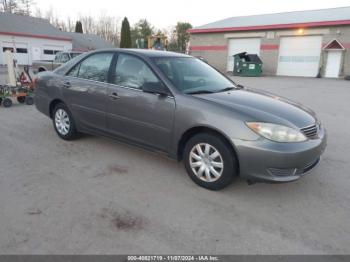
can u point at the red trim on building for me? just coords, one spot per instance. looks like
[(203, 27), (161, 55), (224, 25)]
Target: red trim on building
[(269, 47), (37, 36), (208, 48), (346, 45), (265, 27)]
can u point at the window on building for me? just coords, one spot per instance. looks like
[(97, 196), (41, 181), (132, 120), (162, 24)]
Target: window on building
[(8, 48), (22, 50), (48, 52)]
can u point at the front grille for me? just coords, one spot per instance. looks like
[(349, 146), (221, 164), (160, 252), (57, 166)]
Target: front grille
[(310, 131), (282, 172)]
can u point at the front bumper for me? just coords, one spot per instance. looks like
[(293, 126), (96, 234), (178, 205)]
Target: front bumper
[(263, 160)]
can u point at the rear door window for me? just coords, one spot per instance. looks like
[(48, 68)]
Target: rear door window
[(95, 67)]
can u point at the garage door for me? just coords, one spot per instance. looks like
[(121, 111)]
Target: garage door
[(299, 56), (239, 45)]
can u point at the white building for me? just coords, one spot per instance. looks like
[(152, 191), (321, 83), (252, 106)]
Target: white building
[(32, 39), (304, 43)]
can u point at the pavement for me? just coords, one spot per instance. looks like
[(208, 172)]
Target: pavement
[(98, 196)]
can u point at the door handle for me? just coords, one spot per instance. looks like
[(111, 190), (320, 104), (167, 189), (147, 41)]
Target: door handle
[(114, 96), (66, 84)]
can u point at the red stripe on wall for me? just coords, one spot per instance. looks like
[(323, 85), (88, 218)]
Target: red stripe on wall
[(269, 47), (208, 48), (37, 36), (346, 45), (264, 27)]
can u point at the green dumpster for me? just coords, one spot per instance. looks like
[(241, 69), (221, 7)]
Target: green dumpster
[(247, 65)]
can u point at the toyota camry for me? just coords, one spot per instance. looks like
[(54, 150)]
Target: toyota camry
[(181, 106)]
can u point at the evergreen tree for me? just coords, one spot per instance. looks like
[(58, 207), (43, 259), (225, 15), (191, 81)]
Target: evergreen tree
[(182, 35), (125, 38), (78, 27)]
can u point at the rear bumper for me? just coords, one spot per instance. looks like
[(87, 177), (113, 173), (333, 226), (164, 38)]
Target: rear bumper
[(266, 161)]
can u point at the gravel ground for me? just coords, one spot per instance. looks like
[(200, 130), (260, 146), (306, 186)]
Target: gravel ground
[(97, 196)]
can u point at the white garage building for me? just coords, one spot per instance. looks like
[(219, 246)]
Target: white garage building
[(306, 43), (30, 38)]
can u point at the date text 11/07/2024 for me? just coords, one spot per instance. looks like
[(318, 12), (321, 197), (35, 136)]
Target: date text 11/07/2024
[(173, 258)]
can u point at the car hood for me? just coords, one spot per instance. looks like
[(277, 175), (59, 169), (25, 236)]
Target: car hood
[(262, 106)]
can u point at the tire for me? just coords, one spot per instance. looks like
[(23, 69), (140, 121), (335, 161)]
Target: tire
[(7, 102), (193, 165), (21, 99), (29, 100), (0, 101), (61, 113)]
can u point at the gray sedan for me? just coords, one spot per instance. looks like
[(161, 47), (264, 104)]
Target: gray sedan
[(184, 108)]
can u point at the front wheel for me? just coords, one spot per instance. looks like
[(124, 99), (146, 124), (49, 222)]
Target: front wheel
[(63, 122), (209, 161)]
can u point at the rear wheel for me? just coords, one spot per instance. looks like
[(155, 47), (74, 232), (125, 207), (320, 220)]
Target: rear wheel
[(0, 101), (209, 161), (21, 99), (7, 102), (63, 122)]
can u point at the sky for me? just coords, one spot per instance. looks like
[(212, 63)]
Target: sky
[(163, 14)]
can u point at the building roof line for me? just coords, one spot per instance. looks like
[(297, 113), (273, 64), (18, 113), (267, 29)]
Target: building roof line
[(289, 12), (272, 26), (37, 36)]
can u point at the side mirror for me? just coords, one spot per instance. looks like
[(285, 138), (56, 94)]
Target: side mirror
[(155, 88)]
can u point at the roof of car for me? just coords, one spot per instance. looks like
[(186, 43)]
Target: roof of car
[(146, 52)]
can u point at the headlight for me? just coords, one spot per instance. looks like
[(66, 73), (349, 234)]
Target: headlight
[(277, 133)]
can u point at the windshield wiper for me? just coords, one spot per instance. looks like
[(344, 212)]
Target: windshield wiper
[(199, 92), (226, 89)]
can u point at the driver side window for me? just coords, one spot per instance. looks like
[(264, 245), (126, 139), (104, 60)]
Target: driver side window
[(133, 72)]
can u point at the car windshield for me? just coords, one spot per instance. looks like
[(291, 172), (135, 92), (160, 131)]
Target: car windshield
[(193, 76)]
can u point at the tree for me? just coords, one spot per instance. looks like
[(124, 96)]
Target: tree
[(182, 35), (26, 6), (22, 7), (172, 46), (78, 27), (9, 6), (140, 33), (125, 38)]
